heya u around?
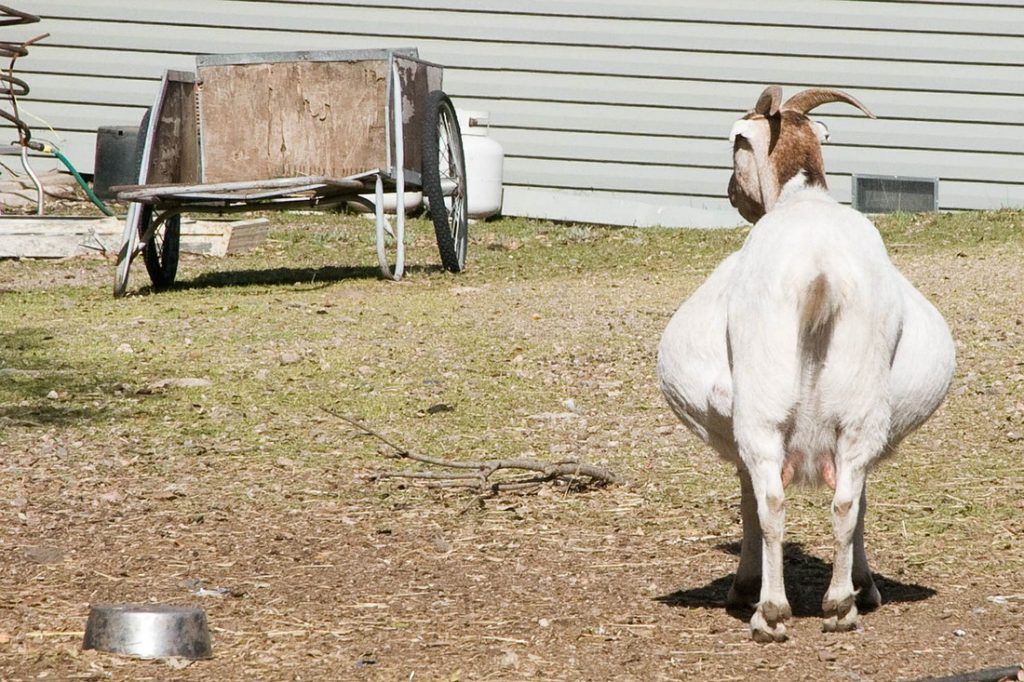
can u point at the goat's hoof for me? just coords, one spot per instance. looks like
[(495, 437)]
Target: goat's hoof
[(767, 626), (868, 598), (840, 614)]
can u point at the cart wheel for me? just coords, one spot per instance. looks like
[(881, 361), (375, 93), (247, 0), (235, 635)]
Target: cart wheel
[(161, 251), (444, 180)]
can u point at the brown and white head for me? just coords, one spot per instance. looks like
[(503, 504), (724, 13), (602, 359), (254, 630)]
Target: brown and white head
[(773, 144)]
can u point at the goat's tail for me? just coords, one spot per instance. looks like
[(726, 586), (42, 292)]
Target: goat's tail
[(818, 310)]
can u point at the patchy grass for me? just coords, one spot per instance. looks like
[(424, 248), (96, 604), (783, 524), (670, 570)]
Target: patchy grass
[(545, 348)]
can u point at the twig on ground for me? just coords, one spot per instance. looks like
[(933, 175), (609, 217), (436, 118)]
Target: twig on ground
[(477, 474), (1015, 672)]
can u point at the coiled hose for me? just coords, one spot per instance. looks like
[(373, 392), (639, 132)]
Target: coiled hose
[(10, 85), (13, 87)]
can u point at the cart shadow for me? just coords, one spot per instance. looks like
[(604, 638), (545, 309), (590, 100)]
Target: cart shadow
[(38, 377), (311, 278), (806, 577)]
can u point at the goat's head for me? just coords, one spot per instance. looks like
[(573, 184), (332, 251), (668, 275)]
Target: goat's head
[(774, 143)]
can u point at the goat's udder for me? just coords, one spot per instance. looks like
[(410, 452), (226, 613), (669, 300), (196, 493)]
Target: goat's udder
[(794, 462)]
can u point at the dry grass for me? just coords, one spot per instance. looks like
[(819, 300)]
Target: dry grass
[(115, 488)]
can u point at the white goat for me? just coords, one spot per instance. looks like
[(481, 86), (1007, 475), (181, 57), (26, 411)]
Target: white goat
[(805, 356)]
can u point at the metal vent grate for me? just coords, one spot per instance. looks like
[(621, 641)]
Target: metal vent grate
[(894, 194)]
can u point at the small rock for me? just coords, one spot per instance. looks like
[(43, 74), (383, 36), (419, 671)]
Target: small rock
[(178, 662), (1014, 436), (366, 660), (959, 633), (289, 358), (171, 492), (125, 348), (827, 655), (544, 623), (509, 660), (53, 395)]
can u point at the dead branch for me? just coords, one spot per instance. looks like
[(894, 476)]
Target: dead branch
[(477, 474)]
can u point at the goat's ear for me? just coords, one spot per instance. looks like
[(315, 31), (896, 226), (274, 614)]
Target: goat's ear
[(743, 128), (821, 131)]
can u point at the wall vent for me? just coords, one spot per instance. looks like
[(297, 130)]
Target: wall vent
[(895, 194)]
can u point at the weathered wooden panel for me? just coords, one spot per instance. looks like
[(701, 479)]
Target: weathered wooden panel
[(288, 119), (174, 156)]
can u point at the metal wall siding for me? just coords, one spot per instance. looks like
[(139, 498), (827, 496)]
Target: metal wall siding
[(622, 106)]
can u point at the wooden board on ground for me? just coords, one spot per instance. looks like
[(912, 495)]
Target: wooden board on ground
[(63, 237)]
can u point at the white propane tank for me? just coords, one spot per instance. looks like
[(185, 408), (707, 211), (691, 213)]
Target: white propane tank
[(484, 161)]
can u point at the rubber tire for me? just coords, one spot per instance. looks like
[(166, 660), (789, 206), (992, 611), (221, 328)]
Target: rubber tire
[(450, 227), (161, 261)]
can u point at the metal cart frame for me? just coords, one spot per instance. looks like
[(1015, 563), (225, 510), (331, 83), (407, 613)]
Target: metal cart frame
[(283, 130)]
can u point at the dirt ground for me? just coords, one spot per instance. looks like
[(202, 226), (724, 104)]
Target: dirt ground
[(310, 571)]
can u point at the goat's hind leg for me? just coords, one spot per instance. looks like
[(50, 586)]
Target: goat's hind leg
[(868, 596), (840, 603), (746, 587), (768, 622)]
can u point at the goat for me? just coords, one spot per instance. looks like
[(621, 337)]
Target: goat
[(805, 356)]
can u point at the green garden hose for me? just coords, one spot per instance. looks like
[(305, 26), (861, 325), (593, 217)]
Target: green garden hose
[(50, 149)]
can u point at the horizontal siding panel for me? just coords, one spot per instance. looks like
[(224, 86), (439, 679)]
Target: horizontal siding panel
[(731, 97), (962, 166), (633, 63), (653, 180), (959, 18), (88, 61), (663, 122), (252, 28), (618, 208), (79, 117), (618, 177), (88, 90), (631, 149)]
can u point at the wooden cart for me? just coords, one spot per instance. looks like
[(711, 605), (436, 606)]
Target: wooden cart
[(288, 130)]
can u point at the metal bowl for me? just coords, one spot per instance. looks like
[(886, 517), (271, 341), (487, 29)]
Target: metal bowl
[(148, 631)]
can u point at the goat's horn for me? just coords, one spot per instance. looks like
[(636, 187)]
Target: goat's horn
[(804, 101), (768, 102)]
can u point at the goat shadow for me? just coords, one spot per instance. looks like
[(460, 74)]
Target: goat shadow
[(806, 577)]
